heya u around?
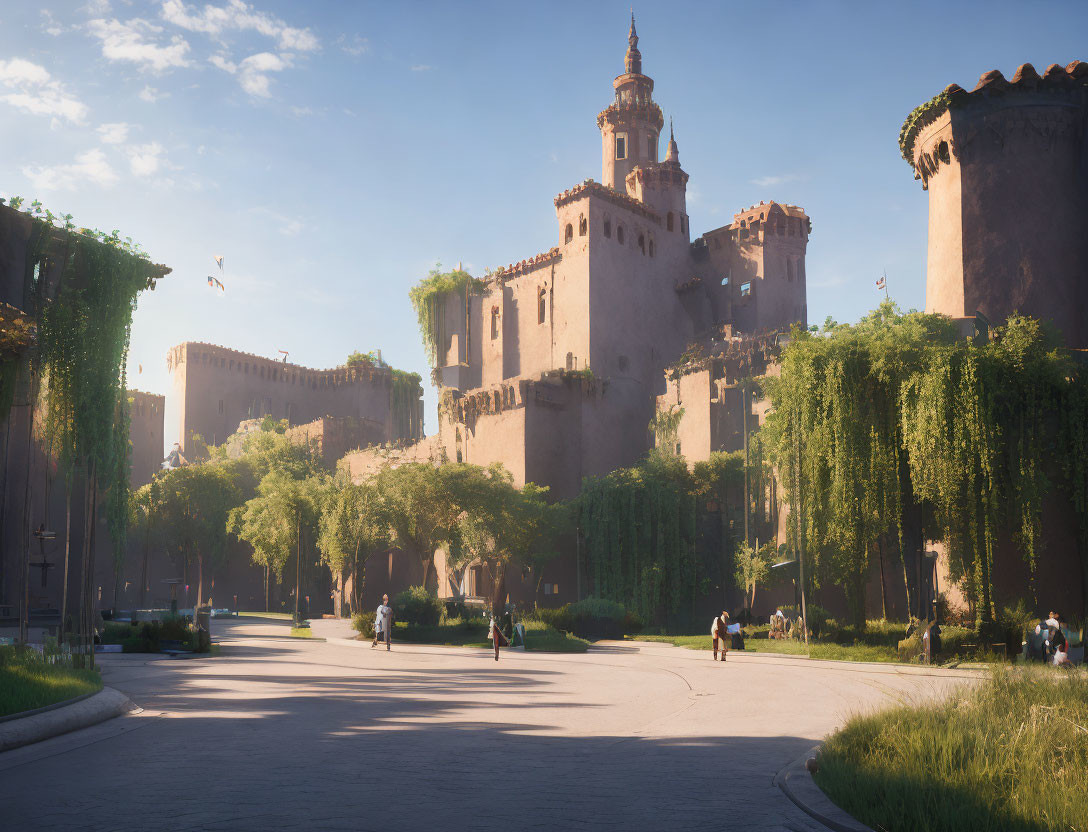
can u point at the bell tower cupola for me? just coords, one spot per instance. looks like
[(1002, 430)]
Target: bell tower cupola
[(631, 124)]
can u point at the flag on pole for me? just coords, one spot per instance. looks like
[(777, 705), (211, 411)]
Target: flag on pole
[(213, 283), (880, 284), (285, 354)]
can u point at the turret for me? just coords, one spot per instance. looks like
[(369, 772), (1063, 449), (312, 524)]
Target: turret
[(662, 186), (631, 124), (1006, 168)]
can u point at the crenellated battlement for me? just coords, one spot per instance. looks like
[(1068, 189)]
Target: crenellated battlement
[(530, 264), (229, 360), (1060, 83), (591, 188), (515, 394)]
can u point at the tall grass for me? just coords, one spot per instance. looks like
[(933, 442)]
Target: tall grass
[(28, 682), (1009, 755), (547, 639)]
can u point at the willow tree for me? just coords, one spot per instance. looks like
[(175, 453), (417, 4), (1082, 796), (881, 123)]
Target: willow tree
[(836, 440), (976, 421)]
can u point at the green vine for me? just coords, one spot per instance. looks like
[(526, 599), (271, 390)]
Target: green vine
[(919, 117), (665, 427), (428, 300)]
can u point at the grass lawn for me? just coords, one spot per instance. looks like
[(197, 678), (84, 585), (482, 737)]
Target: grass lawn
[(286, 616), (1010, 755), (452, 634), (26, 686), (302, 632), (877, 643)]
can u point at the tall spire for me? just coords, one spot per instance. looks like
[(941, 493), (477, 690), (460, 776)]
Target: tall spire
[(633, 60), (672, 154)]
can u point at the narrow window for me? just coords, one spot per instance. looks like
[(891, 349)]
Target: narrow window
[(745, 289), (789, 269), (583, 225), (494, 322), (651, 246), (683, 224), (621, 146), (568, 235), (651, 146), (608, 227), (668, 221), (942, 153), (619, 234), (642, 243), (222, 407), (541, 305)]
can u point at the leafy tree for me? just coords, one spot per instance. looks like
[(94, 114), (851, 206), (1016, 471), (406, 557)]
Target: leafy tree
[(351, 528), (753, 567), (196, 501)]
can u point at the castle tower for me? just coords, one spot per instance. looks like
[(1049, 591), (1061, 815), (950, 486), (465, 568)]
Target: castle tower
[(663, 186), (1006, 167), (631, 124)]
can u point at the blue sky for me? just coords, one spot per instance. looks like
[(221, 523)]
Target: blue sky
[(334, 151)]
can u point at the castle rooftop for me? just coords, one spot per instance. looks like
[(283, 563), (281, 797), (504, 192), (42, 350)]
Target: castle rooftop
[(1073, 75)]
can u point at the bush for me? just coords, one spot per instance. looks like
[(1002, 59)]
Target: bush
[(418, 607), (363, 622), (542, 637), (456, 608), (597, 618), (632, 623), (147, 636)]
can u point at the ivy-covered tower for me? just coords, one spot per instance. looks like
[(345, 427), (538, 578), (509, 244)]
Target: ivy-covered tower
[(631, 124)]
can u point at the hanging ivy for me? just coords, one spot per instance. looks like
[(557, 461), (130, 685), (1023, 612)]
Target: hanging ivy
[(899, 416), (407, 415), (428, 300), (83, 322)]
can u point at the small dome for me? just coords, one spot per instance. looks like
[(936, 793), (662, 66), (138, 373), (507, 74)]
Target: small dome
[(1025, 73)]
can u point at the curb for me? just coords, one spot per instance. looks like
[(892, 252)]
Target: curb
[(797, 784), (70, 716)]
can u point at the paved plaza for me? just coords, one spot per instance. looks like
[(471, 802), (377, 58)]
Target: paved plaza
[(288, 734)]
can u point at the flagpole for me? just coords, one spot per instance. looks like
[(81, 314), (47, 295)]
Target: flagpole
[(886, 295)]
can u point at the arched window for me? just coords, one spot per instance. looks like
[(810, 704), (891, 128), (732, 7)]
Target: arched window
[(607, 226), (668, 221), (583, 225), (495, 322), (642, 243), (942, 153), (651, 246), (619, 234), (541, 305), (568, 235)]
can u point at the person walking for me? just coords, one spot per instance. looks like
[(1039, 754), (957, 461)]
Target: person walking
[(383, 623), (718, 632), (496, 635)]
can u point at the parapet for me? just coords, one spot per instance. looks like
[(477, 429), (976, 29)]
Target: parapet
[(1070, 79), (515, 394), (512, 270), (231, 360), (591, 188)]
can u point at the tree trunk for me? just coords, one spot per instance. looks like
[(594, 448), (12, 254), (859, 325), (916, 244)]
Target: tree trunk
[(298, 564), (67, 551), (498, 591), (88, 601), (266, 582), (883, 592), (199, 580), (147, 556)]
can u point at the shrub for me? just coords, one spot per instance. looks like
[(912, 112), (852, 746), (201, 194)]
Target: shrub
[(363, 622), (418, 607), (632, 623), (456, 608), (597, 618), (540, 636)]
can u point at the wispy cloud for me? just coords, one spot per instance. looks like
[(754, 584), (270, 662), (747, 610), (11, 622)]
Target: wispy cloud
[(355, 45), (114, 133), (253, 71), (287, 226), (151, 95), (91, 166), (145, 159), (36, 92), (771, 181), (240, 16), (422, 68), (136, 41)]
